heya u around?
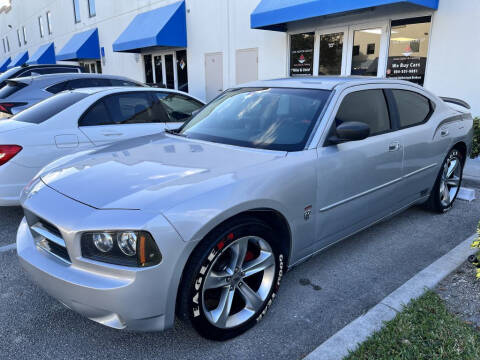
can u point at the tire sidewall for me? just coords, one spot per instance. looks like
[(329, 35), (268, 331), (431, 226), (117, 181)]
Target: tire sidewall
[(212, 252)]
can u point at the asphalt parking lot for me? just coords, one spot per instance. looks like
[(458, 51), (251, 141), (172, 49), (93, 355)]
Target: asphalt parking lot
[(316, 299)]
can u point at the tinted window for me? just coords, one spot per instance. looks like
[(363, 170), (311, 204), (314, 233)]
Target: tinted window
[(413, 109), (55, 70), (96, 115), (367, 106), (268, 118), (131, 108), (11, 88), (45, 109), (82, 83), (117, 82), (178, 108), (54, 89)]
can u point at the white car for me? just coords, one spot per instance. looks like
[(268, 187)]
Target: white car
[(82, 119)]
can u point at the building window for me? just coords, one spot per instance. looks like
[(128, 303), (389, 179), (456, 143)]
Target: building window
[(24, 30), (8, 43), (49, 23), (301, 54), (91, 8), (365, 56), (331, 53), (18, 37), (40, 26), (4, 46), (407, 57), (76, 11)]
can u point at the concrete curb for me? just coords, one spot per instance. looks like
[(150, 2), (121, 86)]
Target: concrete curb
[(352, 335), (8, 247)]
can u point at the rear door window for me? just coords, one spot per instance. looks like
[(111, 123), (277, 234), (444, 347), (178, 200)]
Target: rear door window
[(47, 108), (413, 109), (367, 106)]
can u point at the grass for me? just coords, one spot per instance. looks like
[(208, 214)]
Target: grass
[(424, 330)]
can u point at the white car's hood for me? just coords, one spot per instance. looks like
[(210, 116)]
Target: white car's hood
[(10, 125), (154, 171)]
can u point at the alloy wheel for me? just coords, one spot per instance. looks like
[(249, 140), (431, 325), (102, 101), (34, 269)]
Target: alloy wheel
[(238, 282), (450, 181)]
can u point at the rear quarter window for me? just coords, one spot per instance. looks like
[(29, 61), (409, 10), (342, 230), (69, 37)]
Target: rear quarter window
[(47, 108), (413, 108)]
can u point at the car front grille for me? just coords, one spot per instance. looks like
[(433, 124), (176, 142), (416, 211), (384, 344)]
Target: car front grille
[(47, 237)]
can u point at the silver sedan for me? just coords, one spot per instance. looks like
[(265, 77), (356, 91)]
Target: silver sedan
[(202, 222)]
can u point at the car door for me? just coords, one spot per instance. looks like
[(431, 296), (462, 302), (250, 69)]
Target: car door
[(424, 145), (122, 116), (178, 108), (357, 180)]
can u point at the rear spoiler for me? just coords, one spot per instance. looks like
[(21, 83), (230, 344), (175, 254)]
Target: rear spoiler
[(456, 102)]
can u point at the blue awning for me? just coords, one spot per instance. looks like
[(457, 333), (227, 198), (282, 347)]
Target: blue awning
[(45, 54), (274, 14), (19, 60), (4, 63), (165, 26), (84, 45)]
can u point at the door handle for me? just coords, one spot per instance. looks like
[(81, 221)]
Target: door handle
[(394, 146), (112, 134)]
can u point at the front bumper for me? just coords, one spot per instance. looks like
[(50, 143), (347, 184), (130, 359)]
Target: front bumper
[(141, 299)]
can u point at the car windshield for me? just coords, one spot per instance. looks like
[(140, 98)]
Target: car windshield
[(266, 118)]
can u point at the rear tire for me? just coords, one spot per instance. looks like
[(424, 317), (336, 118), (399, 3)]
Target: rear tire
[(231, 279), (448, 183)]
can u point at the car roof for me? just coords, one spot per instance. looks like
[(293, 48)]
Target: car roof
[(323, 82), (117, 89), (68, 76)]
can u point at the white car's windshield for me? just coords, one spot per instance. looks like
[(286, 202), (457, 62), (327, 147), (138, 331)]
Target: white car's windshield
[(267, 118)]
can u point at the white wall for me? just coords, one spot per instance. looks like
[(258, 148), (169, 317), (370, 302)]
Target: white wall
[(453, 68)]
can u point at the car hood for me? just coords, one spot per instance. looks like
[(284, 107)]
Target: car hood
[(157, 171)]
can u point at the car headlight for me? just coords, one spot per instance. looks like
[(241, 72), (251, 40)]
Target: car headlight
[(127, 248)]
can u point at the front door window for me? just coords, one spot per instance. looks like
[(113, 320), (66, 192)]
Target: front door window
[(366, 51), (331, 52)]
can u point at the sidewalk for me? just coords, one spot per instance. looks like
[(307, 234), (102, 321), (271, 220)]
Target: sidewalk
[(471, 172)]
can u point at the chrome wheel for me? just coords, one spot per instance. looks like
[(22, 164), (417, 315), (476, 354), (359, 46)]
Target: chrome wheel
[(238, 282), (450, 181)]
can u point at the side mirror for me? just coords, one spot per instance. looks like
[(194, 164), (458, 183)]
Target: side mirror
[(350, 131)]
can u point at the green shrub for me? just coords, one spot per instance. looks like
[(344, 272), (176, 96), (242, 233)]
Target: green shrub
[(476, 138)]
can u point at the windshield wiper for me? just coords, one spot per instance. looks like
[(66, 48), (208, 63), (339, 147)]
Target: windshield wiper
[(174, 132)]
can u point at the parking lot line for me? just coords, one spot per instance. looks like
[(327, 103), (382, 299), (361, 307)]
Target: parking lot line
[(8, 247)]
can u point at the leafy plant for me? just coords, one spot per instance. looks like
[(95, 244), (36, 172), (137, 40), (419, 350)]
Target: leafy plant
[(476, 138)]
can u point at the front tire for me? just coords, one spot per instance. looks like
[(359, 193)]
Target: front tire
[(231, 279), (448, 183)]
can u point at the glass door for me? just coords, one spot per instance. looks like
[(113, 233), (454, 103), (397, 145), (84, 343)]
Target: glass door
[(368, 50), (332, 52), (160, 70)]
